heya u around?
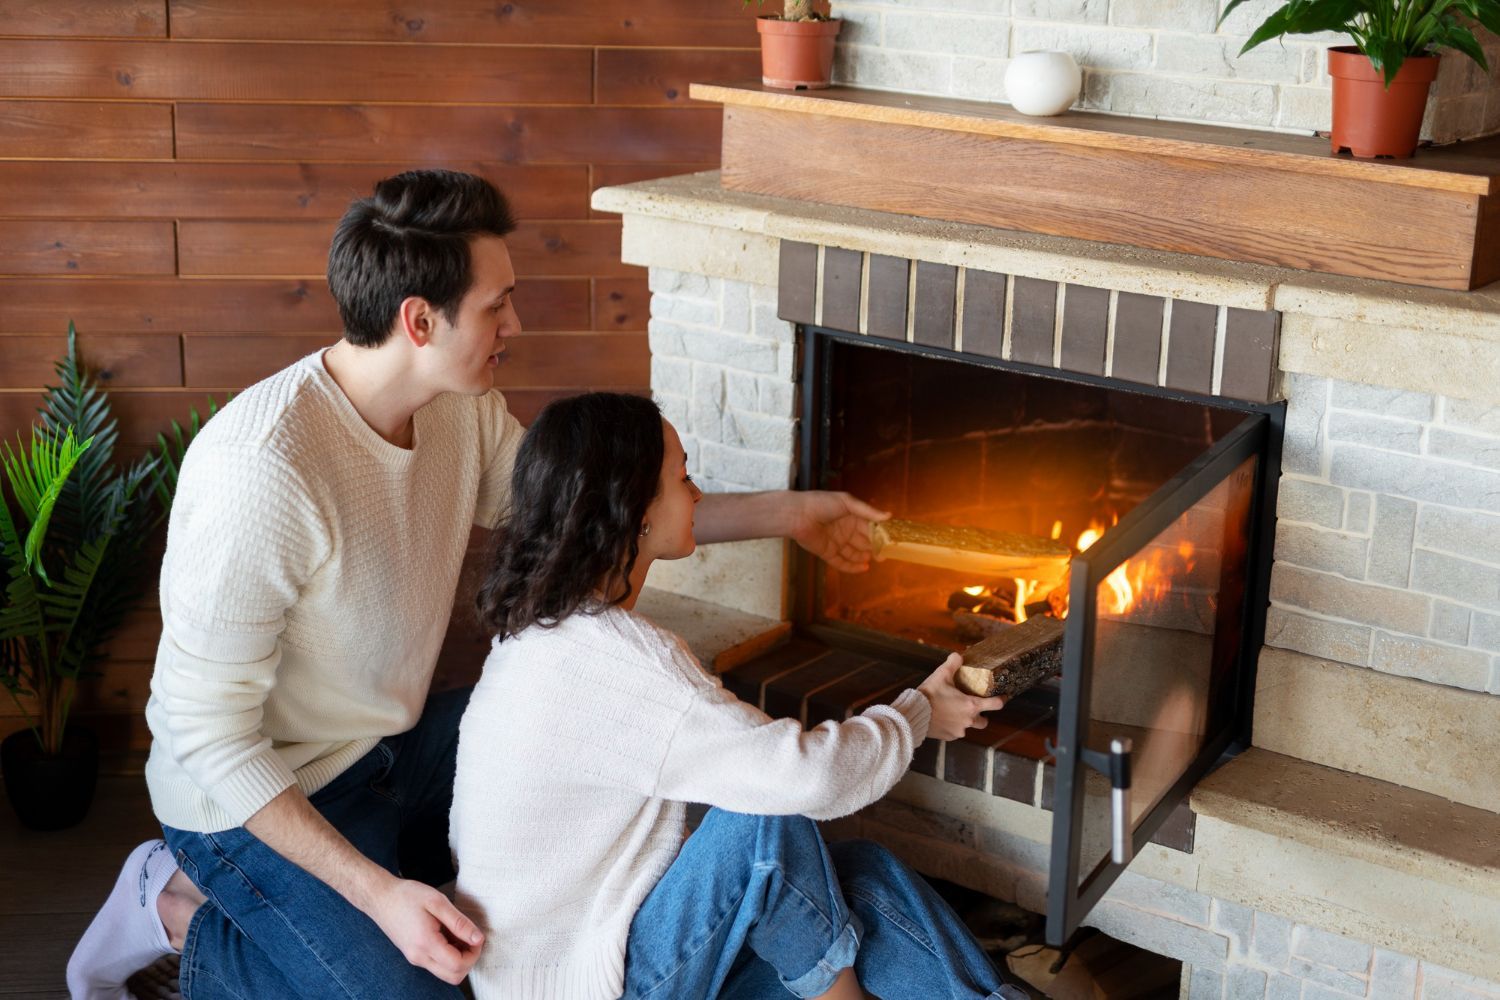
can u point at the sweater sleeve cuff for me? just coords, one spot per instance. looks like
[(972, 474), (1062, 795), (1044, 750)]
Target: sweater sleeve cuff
[(917, 710), (245, 791)]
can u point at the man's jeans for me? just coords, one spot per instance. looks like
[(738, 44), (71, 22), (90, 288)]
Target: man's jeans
[(751, 906), (270, 930), (752, 909)]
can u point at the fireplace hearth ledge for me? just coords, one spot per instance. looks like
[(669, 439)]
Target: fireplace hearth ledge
[(1378, 333)]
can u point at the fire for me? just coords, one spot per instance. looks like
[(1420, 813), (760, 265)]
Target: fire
[(1140, 581)]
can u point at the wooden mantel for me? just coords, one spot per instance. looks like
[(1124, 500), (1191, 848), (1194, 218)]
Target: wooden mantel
[(1237, 194)]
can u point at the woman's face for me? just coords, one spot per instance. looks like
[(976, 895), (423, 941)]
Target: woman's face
[(671, 513)]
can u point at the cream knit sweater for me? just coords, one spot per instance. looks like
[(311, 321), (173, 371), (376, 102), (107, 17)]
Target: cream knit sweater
[(579, 748), (309, 576)]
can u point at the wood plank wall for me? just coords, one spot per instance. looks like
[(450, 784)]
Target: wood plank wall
[(171, 171)]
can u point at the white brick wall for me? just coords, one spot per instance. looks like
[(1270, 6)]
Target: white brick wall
[(721, 370), (1388, 543), (1152, 58)]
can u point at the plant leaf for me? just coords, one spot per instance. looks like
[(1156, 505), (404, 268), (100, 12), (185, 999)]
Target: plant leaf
[(37, 478)]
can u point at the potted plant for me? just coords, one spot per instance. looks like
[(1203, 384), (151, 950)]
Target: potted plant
[(72, 528), (796, 46), (1380, 82)]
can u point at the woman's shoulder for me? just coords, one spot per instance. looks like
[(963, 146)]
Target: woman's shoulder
[(632, 637)]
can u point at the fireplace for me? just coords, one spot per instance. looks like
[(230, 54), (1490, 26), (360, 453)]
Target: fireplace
[(1344, 849), (1160, 496)]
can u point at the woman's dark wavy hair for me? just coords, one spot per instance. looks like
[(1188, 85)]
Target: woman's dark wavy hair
[(585, 473)]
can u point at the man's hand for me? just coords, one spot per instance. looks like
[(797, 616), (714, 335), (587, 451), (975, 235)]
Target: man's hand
[(953, 711), (835, 527), (427, 929)]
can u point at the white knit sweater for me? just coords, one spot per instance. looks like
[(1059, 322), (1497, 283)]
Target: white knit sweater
[(309, 577), (579, 748)]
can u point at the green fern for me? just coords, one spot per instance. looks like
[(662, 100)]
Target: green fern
[(71, 539)]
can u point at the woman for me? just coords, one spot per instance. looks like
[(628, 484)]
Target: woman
[(591, 728)]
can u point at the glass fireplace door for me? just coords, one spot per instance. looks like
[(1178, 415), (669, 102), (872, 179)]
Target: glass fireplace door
[(1150, 680)]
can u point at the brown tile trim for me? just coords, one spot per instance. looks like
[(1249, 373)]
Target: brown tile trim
[(984, 313), (1137, 354), (797, 281), (1125, 341), (1033, 324), (1014, 778), (841, 288), (1190, 351), (1250, 342), (1179, 831), (1085, 329), (889, 278), (936, 305)]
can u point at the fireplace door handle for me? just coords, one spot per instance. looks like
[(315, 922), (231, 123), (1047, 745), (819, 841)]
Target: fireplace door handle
[(1115, 766), (1119, 800)]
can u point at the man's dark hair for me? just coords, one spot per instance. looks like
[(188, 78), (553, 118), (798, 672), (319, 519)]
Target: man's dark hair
[(411, 237), (586, 471)]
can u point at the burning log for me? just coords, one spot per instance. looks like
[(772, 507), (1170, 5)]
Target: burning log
[(1014, 659), (973, 626), (980, 551)]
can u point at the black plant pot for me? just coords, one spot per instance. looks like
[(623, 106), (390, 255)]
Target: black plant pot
[(50, 792)]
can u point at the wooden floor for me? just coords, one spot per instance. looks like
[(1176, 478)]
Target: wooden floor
[(51, 883)]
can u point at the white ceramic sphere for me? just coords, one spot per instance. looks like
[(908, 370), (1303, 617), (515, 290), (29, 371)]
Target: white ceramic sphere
[(1043, 83)]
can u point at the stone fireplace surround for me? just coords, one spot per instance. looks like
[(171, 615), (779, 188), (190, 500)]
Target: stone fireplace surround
[(1355, 849)]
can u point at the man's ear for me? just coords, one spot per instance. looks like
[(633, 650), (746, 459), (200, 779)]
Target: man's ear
[(418, 320)]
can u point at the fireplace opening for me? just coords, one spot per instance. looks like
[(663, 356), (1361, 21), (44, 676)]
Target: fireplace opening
[(1144, 516), (946, 442)]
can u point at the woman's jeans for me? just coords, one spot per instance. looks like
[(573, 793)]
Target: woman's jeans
[(751, 908)]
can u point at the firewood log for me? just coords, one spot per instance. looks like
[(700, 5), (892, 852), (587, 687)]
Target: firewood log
[(1011, 661), (985, 553)]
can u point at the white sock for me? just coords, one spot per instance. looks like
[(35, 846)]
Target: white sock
[(126, 934)]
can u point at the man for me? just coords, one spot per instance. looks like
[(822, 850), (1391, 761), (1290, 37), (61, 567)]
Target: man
[(300, 770)]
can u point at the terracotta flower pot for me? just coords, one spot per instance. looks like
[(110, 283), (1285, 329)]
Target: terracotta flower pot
[(1370, 120), (796, 55)]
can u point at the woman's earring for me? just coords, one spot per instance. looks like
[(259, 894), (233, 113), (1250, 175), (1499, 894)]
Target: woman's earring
[(646, 530)]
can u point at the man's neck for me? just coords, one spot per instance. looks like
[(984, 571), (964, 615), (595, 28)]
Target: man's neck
[(378, 384)]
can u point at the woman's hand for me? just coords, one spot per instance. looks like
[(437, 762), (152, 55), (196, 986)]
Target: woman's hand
[(954, 712), (835, 527)]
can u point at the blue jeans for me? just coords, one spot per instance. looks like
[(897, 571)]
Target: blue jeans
[(270, 930), (755, 907), (752, 906)]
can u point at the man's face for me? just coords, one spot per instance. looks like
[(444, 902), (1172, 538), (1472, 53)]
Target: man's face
[(470, 348)]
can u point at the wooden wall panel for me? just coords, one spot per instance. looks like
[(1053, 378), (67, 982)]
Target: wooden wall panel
[(125, 18), (237, 71), (142, 413), (622, 304), (661, 76), (171, 172), (547, 359), (175, 190), (120, 361), (301, 248), (73, 130), (70, 246), (516, 22), (435, 134)]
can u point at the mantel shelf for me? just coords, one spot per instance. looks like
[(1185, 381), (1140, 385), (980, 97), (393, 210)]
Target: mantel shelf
[(1231, 193), (1467, 167)]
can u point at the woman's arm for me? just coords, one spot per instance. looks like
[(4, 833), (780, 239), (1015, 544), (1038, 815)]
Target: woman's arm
[(835, 527), (729, 754)]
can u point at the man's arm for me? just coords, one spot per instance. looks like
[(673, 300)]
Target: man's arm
[(835, 527), (420, 921)]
